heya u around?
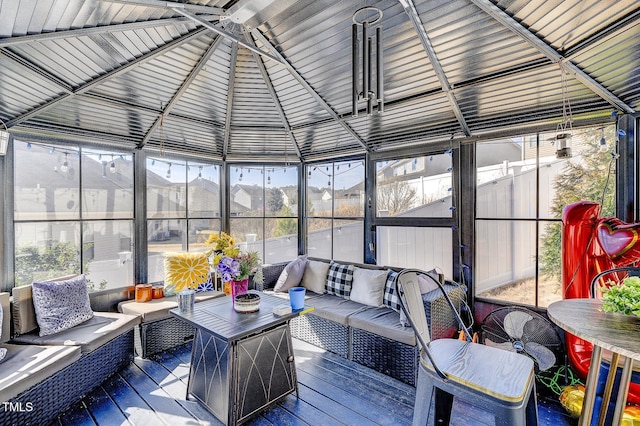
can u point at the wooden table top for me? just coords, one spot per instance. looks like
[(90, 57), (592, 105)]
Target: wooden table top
[(611, 331), (218, 317)]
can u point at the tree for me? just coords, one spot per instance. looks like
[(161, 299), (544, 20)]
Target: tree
[(285, 226), (275, 200), (59, 258), (581, 181), (396, 197)]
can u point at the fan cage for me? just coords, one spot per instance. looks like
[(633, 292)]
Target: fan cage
[(495, 332)]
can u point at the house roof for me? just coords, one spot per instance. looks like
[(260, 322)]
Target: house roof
[(267, 80)]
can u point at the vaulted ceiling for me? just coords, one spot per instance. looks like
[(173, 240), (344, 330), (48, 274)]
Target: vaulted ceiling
[(271, 79)]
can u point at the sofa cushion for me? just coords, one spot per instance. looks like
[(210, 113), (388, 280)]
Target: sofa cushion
[(334, 308), (5, 318), (368, 286), (60, 305), (90, 335), (383, 322), (391, 298), (27, 365), (339, 279), (158, 309), (24, 315), (292, 274), (315, 276)]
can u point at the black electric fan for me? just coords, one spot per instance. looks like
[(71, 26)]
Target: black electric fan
[(521, 330)]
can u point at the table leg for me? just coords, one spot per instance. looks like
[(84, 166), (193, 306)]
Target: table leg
[(623, 390), (590, 387), (611, 378)]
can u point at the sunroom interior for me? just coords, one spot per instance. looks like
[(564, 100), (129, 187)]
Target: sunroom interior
[(450, 136)]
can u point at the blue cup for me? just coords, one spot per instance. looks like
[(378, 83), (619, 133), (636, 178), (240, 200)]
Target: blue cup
[(296, 297)]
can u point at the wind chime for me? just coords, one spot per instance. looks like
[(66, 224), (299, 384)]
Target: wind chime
[(565, 128), (366, 17)]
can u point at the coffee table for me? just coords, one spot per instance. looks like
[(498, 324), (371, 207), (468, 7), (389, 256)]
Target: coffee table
[(241, 363)]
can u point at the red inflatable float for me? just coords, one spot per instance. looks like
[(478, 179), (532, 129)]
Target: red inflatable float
[(591, 245)]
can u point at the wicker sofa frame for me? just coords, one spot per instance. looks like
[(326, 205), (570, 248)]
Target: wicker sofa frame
[(58, 392), (379, 353), (158, 336)]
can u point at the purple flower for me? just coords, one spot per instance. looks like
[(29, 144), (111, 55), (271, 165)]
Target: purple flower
[(228, 268)]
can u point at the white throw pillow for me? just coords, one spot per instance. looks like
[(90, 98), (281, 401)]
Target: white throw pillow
[(315, 276), (291, 275), (368, 286), (426, 284)]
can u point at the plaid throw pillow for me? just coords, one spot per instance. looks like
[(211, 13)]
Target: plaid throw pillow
[(339, 279), (391, 298)]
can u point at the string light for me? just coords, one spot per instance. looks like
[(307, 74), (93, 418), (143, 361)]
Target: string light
[(65, 165)]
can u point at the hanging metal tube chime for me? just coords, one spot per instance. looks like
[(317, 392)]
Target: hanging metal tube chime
[(365, 17)]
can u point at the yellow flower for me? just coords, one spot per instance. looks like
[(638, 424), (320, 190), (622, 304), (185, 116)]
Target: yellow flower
[(220, 242), (185, 270)]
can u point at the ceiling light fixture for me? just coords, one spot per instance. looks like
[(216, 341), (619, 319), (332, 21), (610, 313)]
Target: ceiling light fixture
[(364, 18), (4, 138), (112, 167), (603, 142), (65, 164)]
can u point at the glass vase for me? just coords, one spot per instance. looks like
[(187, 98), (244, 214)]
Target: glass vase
[(239, 287)]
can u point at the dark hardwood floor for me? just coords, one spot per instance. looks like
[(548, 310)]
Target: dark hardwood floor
[(333, 391)]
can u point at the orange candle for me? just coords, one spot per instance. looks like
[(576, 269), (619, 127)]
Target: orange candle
[(158, 291), (143, 293)]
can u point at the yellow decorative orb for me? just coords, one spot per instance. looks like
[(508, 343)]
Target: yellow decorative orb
[(631, 416), (571, 399)]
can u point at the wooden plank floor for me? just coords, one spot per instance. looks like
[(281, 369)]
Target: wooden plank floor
[(333, 391)]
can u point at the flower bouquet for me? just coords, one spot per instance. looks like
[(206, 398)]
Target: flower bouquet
[(233, 265)]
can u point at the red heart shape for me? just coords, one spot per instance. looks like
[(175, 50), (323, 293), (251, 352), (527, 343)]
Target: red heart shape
[(620, 240)]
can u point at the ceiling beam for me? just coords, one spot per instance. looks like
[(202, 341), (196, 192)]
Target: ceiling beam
[(276, 100), (81, 32), (226, 34), (569, 67), (104, 77), (36, 69), (253, 13), (412, 13), (257, 34), (170, 5), (231, 90), (183, 87)]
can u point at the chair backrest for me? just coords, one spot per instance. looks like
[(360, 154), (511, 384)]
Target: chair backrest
[(410, 297), (617, 275)]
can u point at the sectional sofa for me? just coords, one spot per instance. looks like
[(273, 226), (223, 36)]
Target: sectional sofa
[(364, 323), (42, 375)]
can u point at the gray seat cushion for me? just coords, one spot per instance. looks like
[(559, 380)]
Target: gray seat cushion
[(27, 365), (158, 309), (384, 322), (334, 308), (90, 335)]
